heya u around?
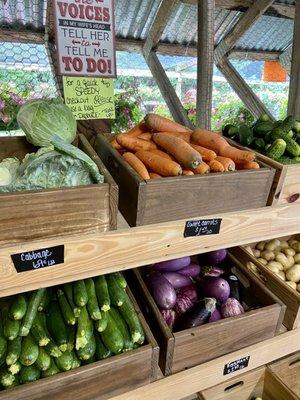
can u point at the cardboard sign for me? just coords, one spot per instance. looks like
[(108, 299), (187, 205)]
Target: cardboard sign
[(202, 227), (85, 37), (89, 98)]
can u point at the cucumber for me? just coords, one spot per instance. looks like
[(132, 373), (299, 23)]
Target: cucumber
[(262, 128), (102, 293), (259, 144), (245, 135), (52, 349), (52, 370), (15, 368), (296, 126), (3, 349), (116, 294), (71, 338), (130, 316), (230, 130), (13, 350), (76, 362), (80, 294), (84, 329), (292, 147), (101, 324), (47, 297), (87, 352), (121, 281), (29, 351), (112, 337), (11, 327), (43, 361), (65, 361), (39, 331), (56, 326), (92, 304), (290, 134), (29, 374), (287, 124), (34, 301), (66, 310), (18, 307), (121, 324), (101, 351), (277, 149), (264, 118), (7, 379), (68, 289)]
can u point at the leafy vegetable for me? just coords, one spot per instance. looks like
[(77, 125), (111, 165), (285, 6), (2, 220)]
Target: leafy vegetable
[(8, 170)]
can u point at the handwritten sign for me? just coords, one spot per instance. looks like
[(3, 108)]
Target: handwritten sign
[(236, 365), (202, 227), (89, 98), (37, 259), (85, 37)]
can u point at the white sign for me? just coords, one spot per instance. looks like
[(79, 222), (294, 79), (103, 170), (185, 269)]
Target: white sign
[(85, 37)]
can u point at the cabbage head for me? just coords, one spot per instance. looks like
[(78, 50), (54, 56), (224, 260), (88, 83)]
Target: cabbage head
[(43, 118), (8, 170)]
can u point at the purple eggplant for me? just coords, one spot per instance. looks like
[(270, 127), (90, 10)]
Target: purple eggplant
[(216, 287), (191, 292), (215, 316), (172, 265), (197, 315), (183, 303), (191, 270), (212, 271), (234, 284), (213, 257), (177, 280), (231, 308), (169, 317), (163, 292)]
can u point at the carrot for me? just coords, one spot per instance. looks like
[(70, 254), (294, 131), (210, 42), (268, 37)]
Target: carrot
[(206, 154), (202, 169), (227, 163), (186, 136), (162, 154), (134, 144), (187, 172), (153, 175), (178, 148), (133, 132), (137, 165), (145, 136), (248, 165), (216, 166), (162, 124), (238, 156), (159, 164)]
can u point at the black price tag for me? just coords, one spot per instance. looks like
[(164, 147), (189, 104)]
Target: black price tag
[(201, 227), (37, 259), (236, 365)]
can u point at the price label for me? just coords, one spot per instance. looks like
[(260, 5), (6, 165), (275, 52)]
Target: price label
[(202, 227), (236, 365), (37, 259)]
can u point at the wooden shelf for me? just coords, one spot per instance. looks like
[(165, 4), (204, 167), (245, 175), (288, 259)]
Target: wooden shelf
[(91, 255)]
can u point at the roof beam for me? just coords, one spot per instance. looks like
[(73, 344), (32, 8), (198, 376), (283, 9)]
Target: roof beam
[(294, 93)]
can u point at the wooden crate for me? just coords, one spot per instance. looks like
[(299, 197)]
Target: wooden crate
[(289, 296), (100, 380), (50, 213), (260, 382), (288, 371), (147, 202), (187, 348)]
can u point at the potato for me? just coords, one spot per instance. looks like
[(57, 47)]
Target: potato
[(292, 241), (289, 252), (296, 247), (293, 273), (297, 258), (282, 258), (275, 264), (273, 268), (261, 246), (290, 260), (281, 275), (272, 244), (284, 244), (262, 261), (298, 287), (256, 253), (267, 255), (293, 285)]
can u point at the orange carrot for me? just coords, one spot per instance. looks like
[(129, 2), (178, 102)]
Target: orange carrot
[(182, 151), (238, 156), (145, 136), (186, 136), (227, 163), (187, 172), (162, 154), (248, 165), (206, 154), (133, 132), (162, 124), (202, 169), (137, 165), (159, 164), (216, 166), (134, 144), (153, 175)]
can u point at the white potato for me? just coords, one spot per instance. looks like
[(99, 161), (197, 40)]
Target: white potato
[(293, 285), (292, 241), (273, 268), (267, 255), (282, 258), (281, 275), (290, 260), (284, 244), (256, 253), (262, 261), (297, 258), (261, 246), (289, 252), (298, 287), (296, 247), (293, 273), (272, 244), (275, 264)]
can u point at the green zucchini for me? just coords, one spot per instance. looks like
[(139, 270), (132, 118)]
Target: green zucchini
[(121, 281), (18, 307), (68, 289), (52, 349), (130, 316), (34, 301), (65, 361), (43, 361), (29, 374), (15, 368), (7, 379), (101, 324), (87, 352), (47, 297), (292, 147), (3, 344), (80, 293), (29, 351), (11, 327), (76, 362), (13, 350), (121, 324), (245, 135), (56, 326), (52, 370), (39, 331), (66, 310), (116, 294), (112, 337), (101, 351), (102, 293), (276, 149), (71, 338), (84, 329), (92, 304)]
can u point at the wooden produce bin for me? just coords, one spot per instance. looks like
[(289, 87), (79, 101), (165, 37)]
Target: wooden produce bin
[(260, 382), (100, 380), (289, 296), (160, 200), (187, 348), (36, 214)]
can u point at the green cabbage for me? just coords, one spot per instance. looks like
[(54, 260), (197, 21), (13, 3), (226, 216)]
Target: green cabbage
[(8, 170), (41, 119)]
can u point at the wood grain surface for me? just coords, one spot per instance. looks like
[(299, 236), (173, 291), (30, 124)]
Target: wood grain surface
[(288, 370)]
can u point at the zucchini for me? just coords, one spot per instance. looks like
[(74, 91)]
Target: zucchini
[(92, 304), (245, 135), (276, 149), (76, 362), (56, 326), (121, 281), (15, 368), (116, 294), (65, 361), (101, 351), (29, 374), (68, 289), (66, 310), (112, 337), (11, 327), (84, 329), (71, 338), (80, 294), (102, 293), (34, 301), (262, 128), (18, 307), (52, 370), (7, 379), (292, 147), (101, 324), (29, 351), (130, 316), (3, 349), (39, 331), (121, 324), (43, 361), (13, 350), (47, 297), (87, 352)]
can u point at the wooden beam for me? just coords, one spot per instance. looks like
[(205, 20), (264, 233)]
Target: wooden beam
[(242, 89), (244, 23), (294, 92), (25, 36), (286, 57), (205, 66)]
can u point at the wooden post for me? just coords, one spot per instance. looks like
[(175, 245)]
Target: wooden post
[(294, 93), (206, 33)]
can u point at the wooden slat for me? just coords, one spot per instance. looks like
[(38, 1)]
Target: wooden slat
[(13, 36), (294, 93)]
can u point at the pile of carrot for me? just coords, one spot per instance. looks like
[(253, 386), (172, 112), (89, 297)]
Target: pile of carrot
[(158, 147)]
